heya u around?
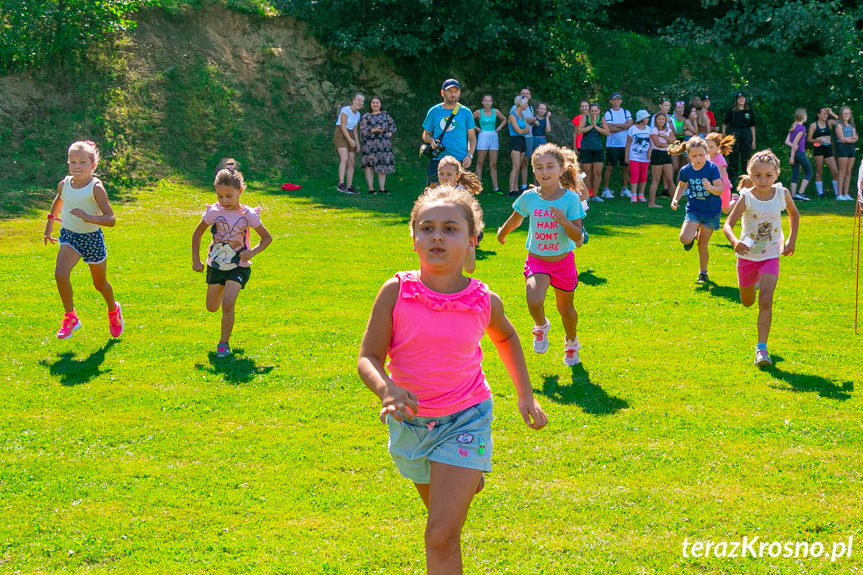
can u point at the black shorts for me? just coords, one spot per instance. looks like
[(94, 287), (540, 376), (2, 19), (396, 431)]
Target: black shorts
[(846, 150), (590, 156), (615, 156), (517, 143), (238, 274), (823, 151), (660, 158)]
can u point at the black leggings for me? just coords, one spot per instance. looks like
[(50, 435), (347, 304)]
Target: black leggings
[(740, 153)]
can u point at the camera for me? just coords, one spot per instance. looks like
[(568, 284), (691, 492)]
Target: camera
[(432, 151)]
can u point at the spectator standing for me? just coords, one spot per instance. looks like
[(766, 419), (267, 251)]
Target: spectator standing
[(740, 122), (618, 120)]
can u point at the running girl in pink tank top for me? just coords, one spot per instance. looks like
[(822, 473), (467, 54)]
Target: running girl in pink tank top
[(434, 395)]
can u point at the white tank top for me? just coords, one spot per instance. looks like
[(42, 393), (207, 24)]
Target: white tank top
[(78, 198), (762, 223)]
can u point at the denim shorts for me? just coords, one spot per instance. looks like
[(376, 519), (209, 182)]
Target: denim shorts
[(709, 222), (462, 439), (90, 246)]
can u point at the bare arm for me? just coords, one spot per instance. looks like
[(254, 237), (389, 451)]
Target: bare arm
[(730, 222), (196, 246), (513, 121), (54, 213), (678, 192), (509, 225), (794, 224), (505, 339), (499, 115), (266, 240), (107, 218)]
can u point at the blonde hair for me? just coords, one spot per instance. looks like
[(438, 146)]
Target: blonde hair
[(696, 142), (88, 147), (762, 157), (724, 143), (521, 100), (450, 194), (842, 111), (464, 178), (566, 159)]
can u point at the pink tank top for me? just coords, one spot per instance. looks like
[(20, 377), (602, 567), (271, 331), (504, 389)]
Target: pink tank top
[(435, 350)]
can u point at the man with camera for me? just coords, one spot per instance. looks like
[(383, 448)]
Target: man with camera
[(448, 130)]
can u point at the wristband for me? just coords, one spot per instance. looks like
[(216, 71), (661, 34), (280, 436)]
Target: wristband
[(53, 217)]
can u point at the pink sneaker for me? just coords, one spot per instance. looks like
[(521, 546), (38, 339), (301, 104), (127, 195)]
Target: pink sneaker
[(633, 199), (115, 321), (570, 352), (540, 337), (68, 326), (641, 198)]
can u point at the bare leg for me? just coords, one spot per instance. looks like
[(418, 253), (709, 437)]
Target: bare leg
[(229, 300), (382, 182), (607, 176), (655, 176), (67, 258), (492, 167), (349, 176), (668, 177), (370, 178), (451, 492), (819, 167), (567, 312), (596, 174), (688, 232), (703, 246), (343, 164), (516, 168), (536, 288), (100, 282), (767, 284), (481, 155), (214, 297)]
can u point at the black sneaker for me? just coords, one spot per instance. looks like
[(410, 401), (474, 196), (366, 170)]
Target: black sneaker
[(702, 278), (342, 188), (385, 191), (514, 194), (821, 196), (352, 190), (372, 193), (688, 246)]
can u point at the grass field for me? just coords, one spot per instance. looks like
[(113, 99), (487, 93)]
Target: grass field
[(148, 455)]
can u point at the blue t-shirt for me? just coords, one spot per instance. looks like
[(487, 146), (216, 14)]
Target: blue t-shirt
[(455, 139), (701, 202), (546, 237)]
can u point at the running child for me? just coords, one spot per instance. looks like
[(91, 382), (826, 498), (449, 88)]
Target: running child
[(434, 395), (638, 154), (761, 240), (701, 178), (451, 172), (228, 257), (556, 215), (718, 146), (82, 209)]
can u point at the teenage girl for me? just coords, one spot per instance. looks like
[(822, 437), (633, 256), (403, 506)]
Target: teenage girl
[(556, 215), (451, 172), (487, 141), (820, 134), (718, 146), (702, 180), (661, 136), (229, 256), (796, 139), (346, 139), (517, 129), (760, 209), (541, 126), (593, 130), (434, 395), (82, 208), (638, 154), (846, 138), (678, 122)]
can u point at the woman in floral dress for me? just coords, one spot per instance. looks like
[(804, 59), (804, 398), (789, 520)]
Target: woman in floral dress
[(376, 129)]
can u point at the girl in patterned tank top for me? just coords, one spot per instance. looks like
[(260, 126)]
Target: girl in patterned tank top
[(434, 396)]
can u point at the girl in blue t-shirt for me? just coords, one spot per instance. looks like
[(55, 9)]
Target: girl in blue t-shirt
[(556, 215), (701, 178)]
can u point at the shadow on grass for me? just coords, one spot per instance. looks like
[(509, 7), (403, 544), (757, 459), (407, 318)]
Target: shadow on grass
[(811, 383), (587, 277), (72, 371), (580, 391), (731, 293), (235, 368)]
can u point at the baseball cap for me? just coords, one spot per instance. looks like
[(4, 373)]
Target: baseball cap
[(705, 97), (616, 95), (450, 83), (740, 94)]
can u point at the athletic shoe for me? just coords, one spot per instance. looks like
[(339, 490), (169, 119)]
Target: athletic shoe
[(385, 191), (514, 194), (115, 321), (801, 198), (632, 198), (223, 349), (596, 199), (353, 190), (540, 337), (845, 198), (68, 326), (762, 358), (688, 246), (570, 352), (372, 193), (625, 193), (342, 188), (607, 194), (821, 196), (497, 191), (702, 278), (641, 198)]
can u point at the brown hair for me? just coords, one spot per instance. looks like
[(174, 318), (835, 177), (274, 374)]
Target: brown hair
[(450, 194), (696, 142), (566, 159), (762, 157), (724, 143), (464, 178), (88, 148), (229, 174), (227, 163)]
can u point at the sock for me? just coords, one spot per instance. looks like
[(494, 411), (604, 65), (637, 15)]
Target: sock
[(836, 187), (761, 346), (819, 187)]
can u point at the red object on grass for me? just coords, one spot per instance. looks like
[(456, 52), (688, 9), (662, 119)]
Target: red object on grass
[(289, 187)]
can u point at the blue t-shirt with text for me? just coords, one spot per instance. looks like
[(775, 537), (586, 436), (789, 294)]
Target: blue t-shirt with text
[(546, 237), (701, 202), (455, 139)]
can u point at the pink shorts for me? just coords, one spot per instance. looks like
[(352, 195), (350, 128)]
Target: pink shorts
[(748, 271), (563, 274), (638, 172)]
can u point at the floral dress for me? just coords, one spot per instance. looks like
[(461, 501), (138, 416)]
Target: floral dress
[(377, 149)]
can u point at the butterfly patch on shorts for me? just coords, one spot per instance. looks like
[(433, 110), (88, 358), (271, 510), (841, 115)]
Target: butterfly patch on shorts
[(464, 438)]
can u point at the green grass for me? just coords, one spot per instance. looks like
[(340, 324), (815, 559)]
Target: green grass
[(148, 455)]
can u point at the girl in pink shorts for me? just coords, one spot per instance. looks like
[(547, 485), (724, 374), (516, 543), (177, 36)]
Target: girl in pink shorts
[(761, 240)]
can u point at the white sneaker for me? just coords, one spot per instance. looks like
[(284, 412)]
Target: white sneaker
[(626, 193), (596, 199), (845, 198), (607, 194), (570, 352), (540, 337)]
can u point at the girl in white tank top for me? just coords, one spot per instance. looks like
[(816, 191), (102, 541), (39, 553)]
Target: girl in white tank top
[(83, 208)]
